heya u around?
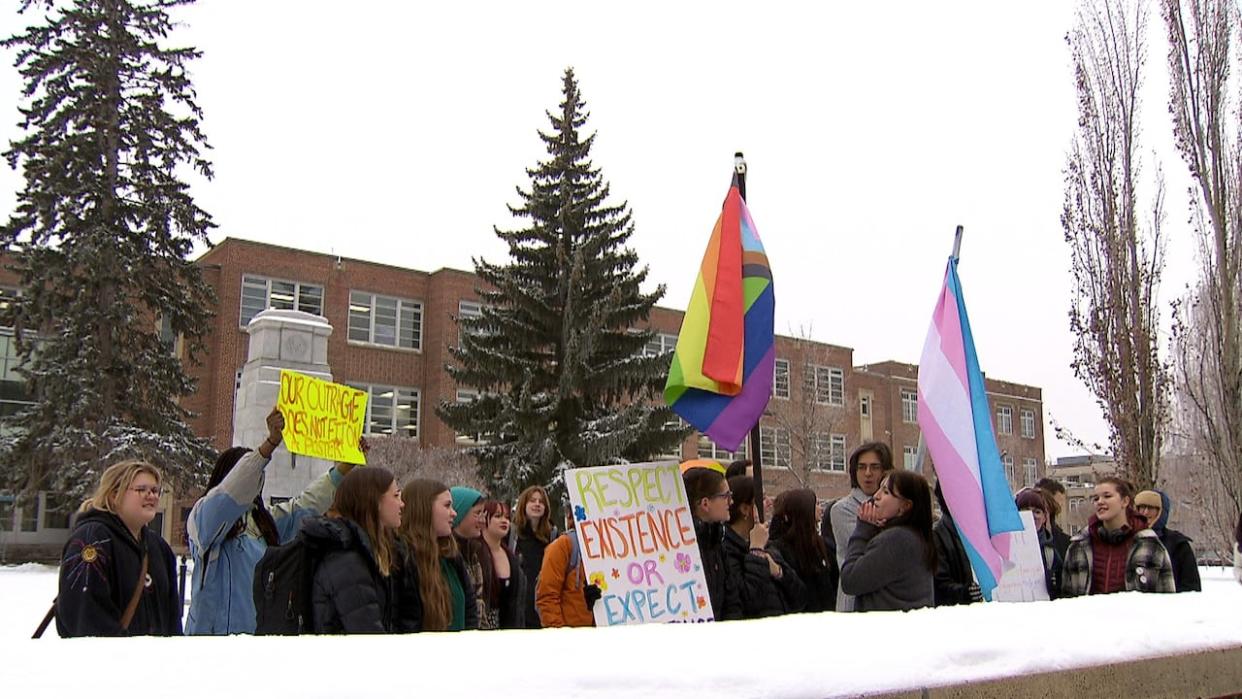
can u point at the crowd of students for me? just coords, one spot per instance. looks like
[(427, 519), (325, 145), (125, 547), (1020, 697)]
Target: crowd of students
[(428, 557)]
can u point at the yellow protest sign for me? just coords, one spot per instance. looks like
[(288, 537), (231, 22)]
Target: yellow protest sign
[(322, 419)]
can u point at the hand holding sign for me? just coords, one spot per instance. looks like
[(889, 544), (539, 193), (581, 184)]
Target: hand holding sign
[(322, 419), (344, 467), (275, 425)]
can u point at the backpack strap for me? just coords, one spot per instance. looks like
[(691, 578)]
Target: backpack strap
[(132, 608), (47, 619)]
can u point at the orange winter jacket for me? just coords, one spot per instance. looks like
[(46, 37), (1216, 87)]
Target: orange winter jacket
[(558, 595)]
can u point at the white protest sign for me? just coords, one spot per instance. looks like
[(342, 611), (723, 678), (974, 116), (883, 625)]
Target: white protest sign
[(1023, 578), (638, 543)]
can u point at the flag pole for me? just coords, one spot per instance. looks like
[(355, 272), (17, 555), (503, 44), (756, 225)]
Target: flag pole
[(756, 462), (921, 455)]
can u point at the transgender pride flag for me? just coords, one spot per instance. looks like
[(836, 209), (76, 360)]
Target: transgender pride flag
[(957, 428)]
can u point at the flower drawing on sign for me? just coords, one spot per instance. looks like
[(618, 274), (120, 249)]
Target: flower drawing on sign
[(682, 563), (579, 513), (616, 574), (663, 558), (597, 579), (702, 602)]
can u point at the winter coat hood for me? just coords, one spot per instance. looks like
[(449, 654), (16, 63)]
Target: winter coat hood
[(1166, 509)]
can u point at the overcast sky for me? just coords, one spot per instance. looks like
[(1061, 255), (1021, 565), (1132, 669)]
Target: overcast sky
[(397, 131)]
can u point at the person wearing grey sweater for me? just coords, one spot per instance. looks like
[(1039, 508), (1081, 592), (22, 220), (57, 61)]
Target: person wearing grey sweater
[(890, 561), (869, 463)]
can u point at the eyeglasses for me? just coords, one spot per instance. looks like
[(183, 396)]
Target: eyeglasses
[(145, 490), (725, 494)]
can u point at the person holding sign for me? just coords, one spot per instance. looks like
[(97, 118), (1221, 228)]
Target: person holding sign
[(890, 560), (709, 496), (229, 529), (561, 589), (1034, 501), (766, 585)]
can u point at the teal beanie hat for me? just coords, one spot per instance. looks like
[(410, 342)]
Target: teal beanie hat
[(463, 499)]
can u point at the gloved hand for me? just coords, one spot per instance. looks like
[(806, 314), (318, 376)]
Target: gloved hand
[(592, 594), (976, 595)]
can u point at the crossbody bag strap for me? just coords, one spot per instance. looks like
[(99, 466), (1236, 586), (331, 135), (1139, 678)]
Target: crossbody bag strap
[(128, 616)]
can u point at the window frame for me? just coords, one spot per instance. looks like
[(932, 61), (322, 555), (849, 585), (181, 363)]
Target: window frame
[(1004, 419), (909, 399), (834, 393), (776, 379), (268, 282), (1026, 417), (369, 418), (418, 309)]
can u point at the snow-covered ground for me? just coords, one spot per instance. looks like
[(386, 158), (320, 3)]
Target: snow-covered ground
[(795, 656)]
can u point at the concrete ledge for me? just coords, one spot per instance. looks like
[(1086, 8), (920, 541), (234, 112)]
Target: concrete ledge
[(1216, 673)]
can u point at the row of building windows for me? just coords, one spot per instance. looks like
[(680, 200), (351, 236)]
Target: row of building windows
[(374, 319), (1004, 415), (54, 511)]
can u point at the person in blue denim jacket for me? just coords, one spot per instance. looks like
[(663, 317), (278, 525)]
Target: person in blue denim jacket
[(229, 529)]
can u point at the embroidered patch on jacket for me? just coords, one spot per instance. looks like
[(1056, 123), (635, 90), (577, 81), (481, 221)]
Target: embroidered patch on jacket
[(84, 560)]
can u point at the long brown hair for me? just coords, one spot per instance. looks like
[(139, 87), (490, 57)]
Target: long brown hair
[(541, 531), (113, 483), (914, 488), (358, 499), (429, 550), (794, 512)]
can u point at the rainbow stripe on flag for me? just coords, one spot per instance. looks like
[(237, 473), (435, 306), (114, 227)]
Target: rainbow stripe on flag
[(721, 375), (957, 428)]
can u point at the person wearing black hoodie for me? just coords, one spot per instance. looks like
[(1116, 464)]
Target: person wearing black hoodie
[(1155, 507), (1054, 496), (353, 589), (116, 575), (766, 584), (954, 581), (709, 495), (794, 539)]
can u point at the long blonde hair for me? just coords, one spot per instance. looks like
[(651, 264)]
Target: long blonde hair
[(115, 480), (542, 530), (419, 534)]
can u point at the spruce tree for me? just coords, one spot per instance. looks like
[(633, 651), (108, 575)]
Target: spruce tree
[(557, 354), (100, 238)]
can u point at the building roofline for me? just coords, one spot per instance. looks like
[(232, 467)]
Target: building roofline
[(232, 240)]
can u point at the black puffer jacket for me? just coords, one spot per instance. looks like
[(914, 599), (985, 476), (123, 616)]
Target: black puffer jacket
[(711, 550), (99, 570), (953, 574), (819, 580), (348, 594), (758, 593), (529, 549)]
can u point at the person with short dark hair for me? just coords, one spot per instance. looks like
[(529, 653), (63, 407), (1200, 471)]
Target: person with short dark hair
[(1034, 501), (868, 465), (741, 467), (229, 529), (1116, 551), (709, 495), (1155, 506), (890, 562)]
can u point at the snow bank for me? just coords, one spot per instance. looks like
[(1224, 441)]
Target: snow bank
[(796, 656)]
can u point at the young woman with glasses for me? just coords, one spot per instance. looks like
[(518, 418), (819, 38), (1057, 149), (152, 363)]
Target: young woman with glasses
[(709, 496), (890, 561), (116, 575)]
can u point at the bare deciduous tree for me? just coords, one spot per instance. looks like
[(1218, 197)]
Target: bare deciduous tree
[(407, 459), (808, 416), (1203, 102), (1117, 251)]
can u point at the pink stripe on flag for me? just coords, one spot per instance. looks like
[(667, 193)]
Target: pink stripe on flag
[(952, 470), (949, 326)]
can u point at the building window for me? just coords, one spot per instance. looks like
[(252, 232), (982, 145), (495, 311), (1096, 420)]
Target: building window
[(467, 310), (780, 379), (391, 410), (708, 449), (1028, 423), (774, 447), (260, 293), (1010, 474), (385, 320), (1004, 419), (13, 395), (910, 458), (59, 508), (909, 405), (836, 453), (30, 515), (659, 344), (469, 395), (1030, 472), (864, 406), (828, 383), (6, 512)]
